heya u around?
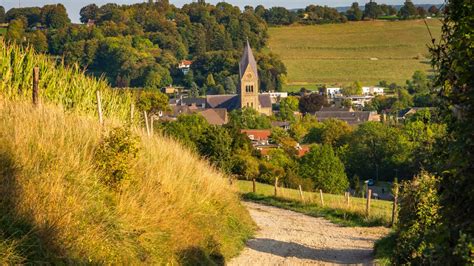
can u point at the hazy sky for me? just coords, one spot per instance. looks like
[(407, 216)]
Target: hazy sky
[(73, 6)]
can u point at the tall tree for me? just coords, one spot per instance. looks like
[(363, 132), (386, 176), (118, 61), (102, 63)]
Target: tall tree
[(408, 10), (354, 13), (2, 14), (89, 12), (454, 65), (55, 16), (312, 103), (372, 10), (15, 31)]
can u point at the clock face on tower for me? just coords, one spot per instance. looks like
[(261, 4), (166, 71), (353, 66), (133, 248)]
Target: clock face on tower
[(249, 75)]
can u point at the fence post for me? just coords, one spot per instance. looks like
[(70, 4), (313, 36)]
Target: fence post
[(99, 107), (254, 186), (348, 199), (152, 119), (146, 123), (321, 196), (132, 111), (395, 204), (367, 208), (35, 85), (301, 193), (276, 186)]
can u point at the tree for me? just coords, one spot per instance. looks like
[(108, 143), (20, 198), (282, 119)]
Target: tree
[(187, 129), (422, 13), (354, 13), (354, 89), (325, 168), (372, 10), (55, 16), (433, 11), (302, 126), (152, 102), (312, 103), (245, 166), (15, 31), (249, 118), (38, 40), (419, 83), (288, 106), (408, 10), (376, 149), (89, 12), (215, 145), (453, 61), (2, 14), (333, 132)]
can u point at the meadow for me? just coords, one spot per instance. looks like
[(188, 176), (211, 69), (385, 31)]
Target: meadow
[(368, 51), (335, 207)]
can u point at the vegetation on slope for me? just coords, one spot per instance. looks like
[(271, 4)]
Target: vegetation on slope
[(57, 203), (341, 53)]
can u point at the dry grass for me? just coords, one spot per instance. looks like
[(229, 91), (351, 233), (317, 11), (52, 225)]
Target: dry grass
[(380, 210), (341, 53), (176, 208)]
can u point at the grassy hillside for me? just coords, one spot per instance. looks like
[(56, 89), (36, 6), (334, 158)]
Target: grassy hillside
[(341, 53), (335, 209), (55, 208)]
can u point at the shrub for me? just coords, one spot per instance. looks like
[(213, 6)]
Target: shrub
[(115, 155), (418, 218)]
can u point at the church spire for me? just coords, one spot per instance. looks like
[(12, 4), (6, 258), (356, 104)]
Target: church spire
[(248, 60)]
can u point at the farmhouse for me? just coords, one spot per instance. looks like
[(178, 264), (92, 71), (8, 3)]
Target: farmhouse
[(346, 114)]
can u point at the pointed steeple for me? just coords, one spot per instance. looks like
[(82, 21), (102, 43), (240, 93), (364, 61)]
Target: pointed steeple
[(248, 60)]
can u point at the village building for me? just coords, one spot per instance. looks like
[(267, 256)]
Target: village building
[(185, 66), (346, 114), (373, 90)]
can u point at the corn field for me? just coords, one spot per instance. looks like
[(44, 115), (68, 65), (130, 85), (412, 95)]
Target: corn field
[(59, 84)]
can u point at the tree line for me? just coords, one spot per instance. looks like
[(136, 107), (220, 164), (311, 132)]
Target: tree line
[(141, 45)]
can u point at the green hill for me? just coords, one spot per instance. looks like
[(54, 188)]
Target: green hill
[(368, 51), (173, 208)]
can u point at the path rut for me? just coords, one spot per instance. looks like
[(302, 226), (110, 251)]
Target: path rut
[(290, 238)]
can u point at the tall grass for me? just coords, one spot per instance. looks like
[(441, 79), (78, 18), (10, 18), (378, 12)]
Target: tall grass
[(59, 84), (53, 208)]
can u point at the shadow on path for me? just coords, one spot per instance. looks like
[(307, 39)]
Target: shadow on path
[(286, 250)]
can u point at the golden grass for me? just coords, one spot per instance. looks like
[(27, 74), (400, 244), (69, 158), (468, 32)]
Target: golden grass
[(175, 209), (380, 209), (341, 53)]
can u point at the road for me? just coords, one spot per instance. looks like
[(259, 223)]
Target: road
[(290, 238)]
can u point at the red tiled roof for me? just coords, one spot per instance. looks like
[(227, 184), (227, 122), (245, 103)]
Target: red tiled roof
[(256, 134), (304, 149)]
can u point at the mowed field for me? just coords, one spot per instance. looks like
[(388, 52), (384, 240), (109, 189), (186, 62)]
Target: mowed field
[(368, 51)]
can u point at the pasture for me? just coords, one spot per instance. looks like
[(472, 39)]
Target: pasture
[(335, 207), (339, 54)]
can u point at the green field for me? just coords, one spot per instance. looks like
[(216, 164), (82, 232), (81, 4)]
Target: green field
[(335, 209), (368, 51)]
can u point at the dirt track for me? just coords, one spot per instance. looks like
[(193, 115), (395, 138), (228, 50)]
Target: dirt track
[(290, 238)]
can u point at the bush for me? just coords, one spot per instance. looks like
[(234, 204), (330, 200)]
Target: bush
[(115, 155), (418, 218)]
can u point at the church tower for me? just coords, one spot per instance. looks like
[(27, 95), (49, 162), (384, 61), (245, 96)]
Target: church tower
[(249, 83)]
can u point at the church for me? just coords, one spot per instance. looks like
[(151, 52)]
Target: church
[(248, 91)]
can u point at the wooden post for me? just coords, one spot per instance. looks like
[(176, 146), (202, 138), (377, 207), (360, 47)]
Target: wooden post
[(254, 186), (395, 204), (276, 186), (132, 111), (321, 196), (146, 123), (35, 85), (348, 199), (152, 119), (99, 107), (367, 208), (301, 193)]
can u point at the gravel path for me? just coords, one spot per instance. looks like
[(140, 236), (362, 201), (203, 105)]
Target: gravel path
[(290, 238)]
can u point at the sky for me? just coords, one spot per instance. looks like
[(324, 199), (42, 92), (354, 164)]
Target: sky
[(73, 6)]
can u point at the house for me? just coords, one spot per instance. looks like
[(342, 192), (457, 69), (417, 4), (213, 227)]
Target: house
[(356, 100), (281, 124), (170, 90), (331, 93), (90, 23), (302, 150), (346, 114), (276, 97), (185, 66), (373, 90), (405, 113), (216, 116), (258, 136)]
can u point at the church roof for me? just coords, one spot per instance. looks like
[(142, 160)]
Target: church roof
[(248, 60), (231, 102)]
